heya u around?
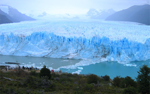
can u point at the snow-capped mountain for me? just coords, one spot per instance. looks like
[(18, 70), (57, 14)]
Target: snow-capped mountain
[(44, 15), (4, 19), (13, 14), (102, 14)]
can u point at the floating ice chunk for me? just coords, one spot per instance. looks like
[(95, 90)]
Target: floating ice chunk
[(77, 72), (65, 60), (129, 64), (80, 68)]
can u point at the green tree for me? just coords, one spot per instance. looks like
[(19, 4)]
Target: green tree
[(128, 81), (143, 80), (45, 72), (106, 78), (117, 81)]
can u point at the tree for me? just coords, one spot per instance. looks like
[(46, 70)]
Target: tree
[(106, 78), (117, 81), (128, 81), (143, 80), (45, 72)]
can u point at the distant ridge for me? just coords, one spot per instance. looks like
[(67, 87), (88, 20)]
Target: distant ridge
[(10, 14), (140, 14), (4, 19)]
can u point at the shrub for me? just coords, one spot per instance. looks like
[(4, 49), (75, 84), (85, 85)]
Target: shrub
[(20, 72), (45, 72), (143, 80), (92, 79), (29, 81), (130, 90), (11, 90), (88, 87), (33, 73)]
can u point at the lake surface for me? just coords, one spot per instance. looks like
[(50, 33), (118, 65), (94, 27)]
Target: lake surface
[(112, 69), (39, 62)]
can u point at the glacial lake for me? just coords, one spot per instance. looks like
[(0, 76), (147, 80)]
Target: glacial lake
[(112, 69)]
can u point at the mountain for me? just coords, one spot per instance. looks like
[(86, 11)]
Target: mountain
[(140, 14), (46, 16), (42, 15), (13, 14), (94, 14), (5, 16), (4, 19)]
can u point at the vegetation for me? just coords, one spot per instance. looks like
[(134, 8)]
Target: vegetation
[(92, 79), (106, 78), (21, 82), (128, 82), (143, 80), (45, 72), (130, 90), (117, 81)]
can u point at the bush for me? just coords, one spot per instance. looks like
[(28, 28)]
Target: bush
[(20, 72), (143, 80), (11, 90), (130, 90), (45, 72), (88, 87), (33, 73), (92, 79)]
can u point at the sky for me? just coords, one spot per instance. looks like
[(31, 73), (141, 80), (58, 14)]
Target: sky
[(70, 6)]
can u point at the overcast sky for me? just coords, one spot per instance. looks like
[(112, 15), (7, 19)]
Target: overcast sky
[(70, 6)]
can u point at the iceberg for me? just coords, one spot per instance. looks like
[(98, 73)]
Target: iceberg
[(95, 40)]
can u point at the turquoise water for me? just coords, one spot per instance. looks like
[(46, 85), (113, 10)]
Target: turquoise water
[(112, 69), (39, 62)]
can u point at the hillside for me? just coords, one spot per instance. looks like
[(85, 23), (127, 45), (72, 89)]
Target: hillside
[(13, 14), (4, 19), (140, 14)]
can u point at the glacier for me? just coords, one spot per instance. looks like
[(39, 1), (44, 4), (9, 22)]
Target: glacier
[(94, 40)]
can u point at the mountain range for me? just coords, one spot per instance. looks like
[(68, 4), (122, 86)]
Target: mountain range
[(137, 13), (102, 14), (9, 14)]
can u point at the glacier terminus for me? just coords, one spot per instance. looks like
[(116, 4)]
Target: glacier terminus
[(94, 40)]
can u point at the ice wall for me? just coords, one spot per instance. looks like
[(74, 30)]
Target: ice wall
[(76, 40), (43, 44)]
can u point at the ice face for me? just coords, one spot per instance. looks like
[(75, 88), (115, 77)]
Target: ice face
[(100, 40)]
